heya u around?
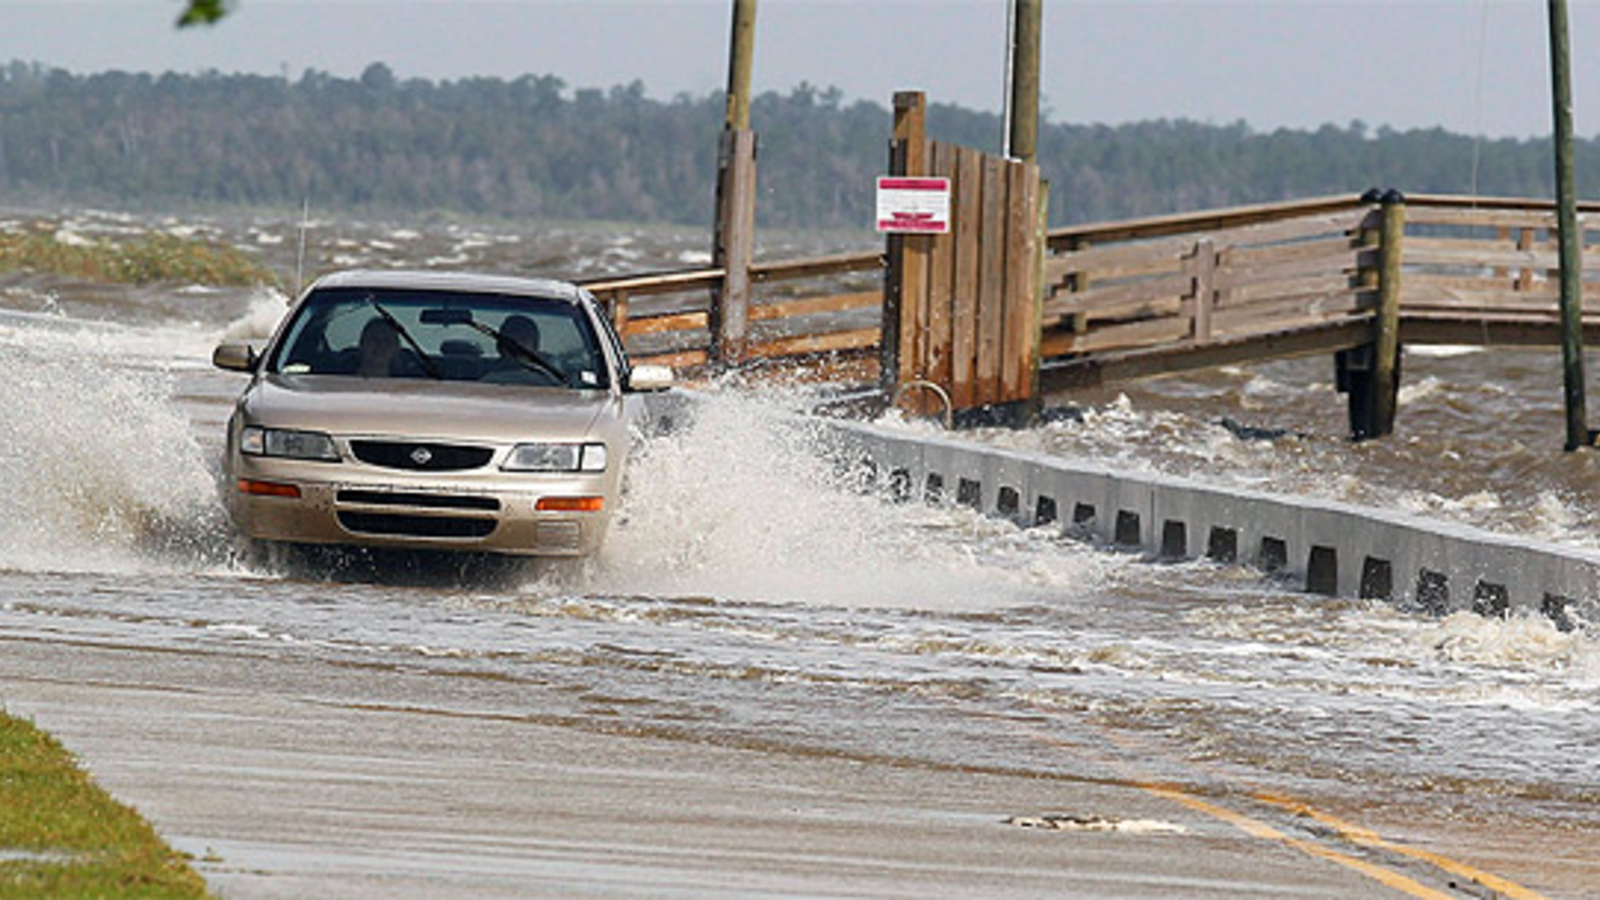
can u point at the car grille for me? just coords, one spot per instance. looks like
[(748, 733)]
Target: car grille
[(420, 456), (415, 526), (424, 501)]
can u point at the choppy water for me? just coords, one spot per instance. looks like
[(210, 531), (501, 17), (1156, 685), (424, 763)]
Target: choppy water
[(746, 599)]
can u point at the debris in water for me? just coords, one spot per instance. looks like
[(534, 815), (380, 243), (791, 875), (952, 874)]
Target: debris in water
[(1257, 433), (1097, 823)]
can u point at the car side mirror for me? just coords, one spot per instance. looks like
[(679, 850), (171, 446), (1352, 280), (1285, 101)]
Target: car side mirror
[(235, 357), (650, 378)]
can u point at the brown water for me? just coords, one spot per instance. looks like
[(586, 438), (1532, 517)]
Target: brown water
[(745, 600)]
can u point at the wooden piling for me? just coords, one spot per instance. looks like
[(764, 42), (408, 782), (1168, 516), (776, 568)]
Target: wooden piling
[(1385, 384), (1370, 372)]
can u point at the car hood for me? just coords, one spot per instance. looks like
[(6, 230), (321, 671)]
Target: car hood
[(424, 409)]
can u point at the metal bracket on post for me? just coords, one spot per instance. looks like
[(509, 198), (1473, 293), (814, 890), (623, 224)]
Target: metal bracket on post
[(949, 417)]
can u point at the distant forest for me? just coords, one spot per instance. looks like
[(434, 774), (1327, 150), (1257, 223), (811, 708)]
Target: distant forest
[(531, 148)]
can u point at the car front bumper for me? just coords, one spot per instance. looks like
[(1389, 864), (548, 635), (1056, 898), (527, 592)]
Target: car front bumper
[(483, 511)]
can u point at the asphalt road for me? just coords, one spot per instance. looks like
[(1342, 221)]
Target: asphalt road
[(292, 777)]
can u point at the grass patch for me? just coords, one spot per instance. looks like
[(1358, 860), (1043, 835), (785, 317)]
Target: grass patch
[(61, 835), (146, 259)]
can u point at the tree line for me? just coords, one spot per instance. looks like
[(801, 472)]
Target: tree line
[(532, 148)]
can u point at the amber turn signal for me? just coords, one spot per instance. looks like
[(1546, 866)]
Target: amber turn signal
[(269, 489), (571, 504)]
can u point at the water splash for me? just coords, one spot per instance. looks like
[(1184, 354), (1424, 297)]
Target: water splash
[(1523, 642), (741, 505), (98, 465), (267, 307)]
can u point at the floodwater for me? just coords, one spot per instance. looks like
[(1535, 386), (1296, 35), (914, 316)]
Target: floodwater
[(745, 599)]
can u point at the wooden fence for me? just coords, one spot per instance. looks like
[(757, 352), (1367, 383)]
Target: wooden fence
[(961, 308)]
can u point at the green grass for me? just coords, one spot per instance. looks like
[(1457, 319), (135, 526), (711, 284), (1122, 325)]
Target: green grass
[(146, 259), (61, 835)]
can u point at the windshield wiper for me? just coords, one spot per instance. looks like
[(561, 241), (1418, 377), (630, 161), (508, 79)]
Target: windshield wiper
[(523, 354), (422, 356)]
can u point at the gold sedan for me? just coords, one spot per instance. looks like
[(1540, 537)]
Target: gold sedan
[(435, 411)]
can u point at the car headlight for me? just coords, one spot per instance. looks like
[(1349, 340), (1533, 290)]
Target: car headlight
[(256, 441), (556, 458)]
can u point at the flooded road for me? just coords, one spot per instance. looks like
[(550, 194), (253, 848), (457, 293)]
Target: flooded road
[(747, 604)]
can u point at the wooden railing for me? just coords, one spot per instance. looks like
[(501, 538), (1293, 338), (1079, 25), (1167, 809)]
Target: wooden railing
[(1207, 287), (1487, 271), (798, 308), (1171, 293), (1155, 295)]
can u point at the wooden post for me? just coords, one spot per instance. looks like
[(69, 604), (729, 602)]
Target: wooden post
[(1205, 288), (1080, 283), (741, 56), (733, 242), (938, 337), (619, 313), (964, 339), (1370, 373), (905, 283), (1386, 343), (1036, 333), (1023, 104), (1567, 231), (1021, 290), (1524, 280), (991, 280)]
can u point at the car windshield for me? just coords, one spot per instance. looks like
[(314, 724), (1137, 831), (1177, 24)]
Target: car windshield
[(443, 335)]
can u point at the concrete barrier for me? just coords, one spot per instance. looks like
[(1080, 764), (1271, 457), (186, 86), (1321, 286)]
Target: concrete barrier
[(1325, 547)]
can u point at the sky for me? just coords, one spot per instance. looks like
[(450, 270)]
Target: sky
[(1471, 66)]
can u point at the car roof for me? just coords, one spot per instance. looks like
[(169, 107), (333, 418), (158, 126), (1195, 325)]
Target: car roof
[(547, 288)]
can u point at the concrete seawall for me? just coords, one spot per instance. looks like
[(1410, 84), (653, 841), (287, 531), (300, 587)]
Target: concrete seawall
[(1325, 547)]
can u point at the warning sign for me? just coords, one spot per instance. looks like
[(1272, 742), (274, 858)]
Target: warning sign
[(913, 205)]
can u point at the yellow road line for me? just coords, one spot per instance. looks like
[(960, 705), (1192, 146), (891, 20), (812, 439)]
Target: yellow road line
[(1256, 828), (1356, 834), (1264, 831), (1369, 838)]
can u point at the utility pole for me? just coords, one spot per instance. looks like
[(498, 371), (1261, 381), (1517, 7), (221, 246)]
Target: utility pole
[(1571, 247), (1022, 107), (741, 53), (734, 241)]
